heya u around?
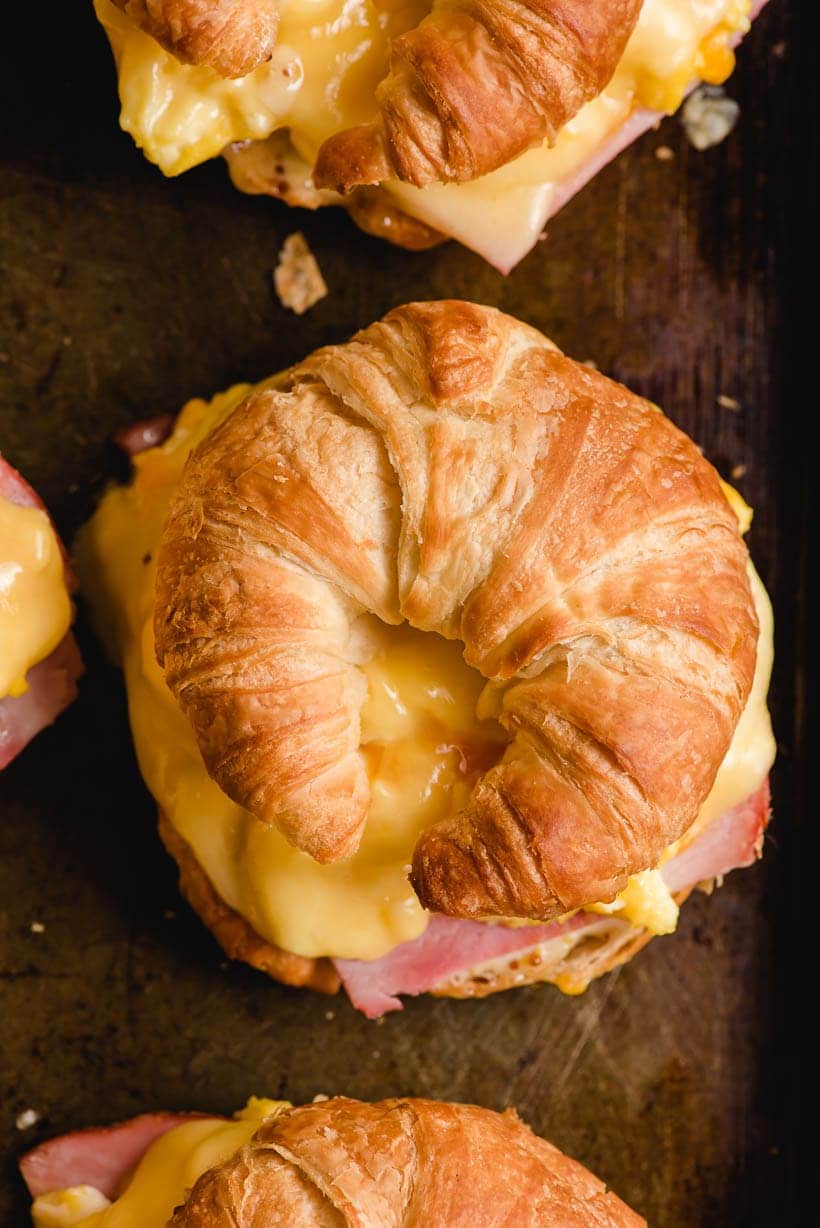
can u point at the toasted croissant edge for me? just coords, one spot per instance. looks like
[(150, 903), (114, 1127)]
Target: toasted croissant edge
[(272, 167)]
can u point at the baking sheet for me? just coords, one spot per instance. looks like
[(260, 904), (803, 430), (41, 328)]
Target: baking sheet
[(121, 296)]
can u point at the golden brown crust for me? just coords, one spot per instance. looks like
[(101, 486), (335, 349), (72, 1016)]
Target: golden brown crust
[(274, 168), (449, 467), (231, 36), (233, 933), (341, 1163), (374, 212), (477, 83)]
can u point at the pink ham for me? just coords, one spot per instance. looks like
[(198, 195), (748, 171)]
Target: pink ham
[(729, 843), (635, 126), (103, 1157), (449, 946), (52, 683), (145, 434), (446, 947)]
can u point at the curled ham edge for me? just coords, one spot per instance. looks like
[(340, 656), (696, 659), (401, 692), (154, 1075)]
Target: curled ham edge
[(106, 1157), (450, 948), (52, 682), (103, 1157)]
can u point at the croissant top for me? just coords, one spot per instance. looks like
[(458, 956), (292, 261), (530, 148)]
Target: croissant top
[(449, 467), (342, 1162), (471, 87)]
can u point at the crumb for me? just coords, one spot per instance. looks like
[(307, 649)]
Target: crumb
[(738, 471), (27, 1119), (297, 277), (779, 50), (708, 116), (67, 341), (319, 1098), (728, 403), (591, 363), (376, 1054), (330, 1016), (37, 927), (664, 154)]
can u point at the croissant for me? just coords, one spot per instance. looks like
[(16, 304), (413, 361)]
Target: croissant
[(232, 36), (449, 467), (475, 85), (399, 1162)]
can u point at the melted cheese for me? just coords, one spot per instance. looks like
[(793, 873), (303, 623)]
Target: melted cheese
[(35, 610), (162, 1178), (422, 742), (322, 78)]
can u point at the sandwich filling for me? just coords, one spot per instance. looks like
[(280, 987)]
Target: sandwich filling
[(35, 609), (322, 79), (421, 739), (147, 1196)]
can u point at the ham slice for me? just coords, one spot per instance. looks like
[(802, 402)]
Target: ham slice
[(729, 843), (449, 946), (52, 683), (103, 1157)]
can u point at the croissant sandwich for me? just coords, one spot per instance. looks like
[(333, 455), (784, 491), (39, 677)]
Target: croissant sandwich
[(39, 659), (446, 662), (330, 1164), (425, 119)]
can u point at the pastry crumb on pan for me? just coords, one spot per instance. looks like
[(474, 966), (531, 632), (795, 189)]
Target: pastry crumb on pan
[(297, 277), (708, 116)]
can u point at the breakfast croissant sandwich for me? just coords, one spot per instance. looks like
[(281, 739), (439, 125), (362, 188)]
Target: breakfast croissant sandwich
[(446, 662), (466, 119), (39, 659), (330, 1164)]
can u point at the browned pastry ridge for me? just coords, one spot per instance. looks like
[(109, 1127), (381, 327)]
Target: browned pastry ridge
[(449, 467), (231, 36), (477, 83), (342, 1163)]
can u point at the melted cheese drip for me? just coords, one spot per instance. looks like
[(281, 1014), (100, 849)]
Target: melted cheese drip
[(35, 610), (423, 744), (322, 78), (162, 1178)]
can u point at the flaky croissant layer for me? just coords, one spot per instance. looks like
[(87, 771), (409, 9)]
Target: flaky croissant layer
[(449, 467), (399, 1163)]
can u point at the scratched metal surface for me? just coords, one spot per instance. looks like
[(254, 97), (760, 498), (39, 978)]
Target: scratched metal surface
[(122, 295)]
